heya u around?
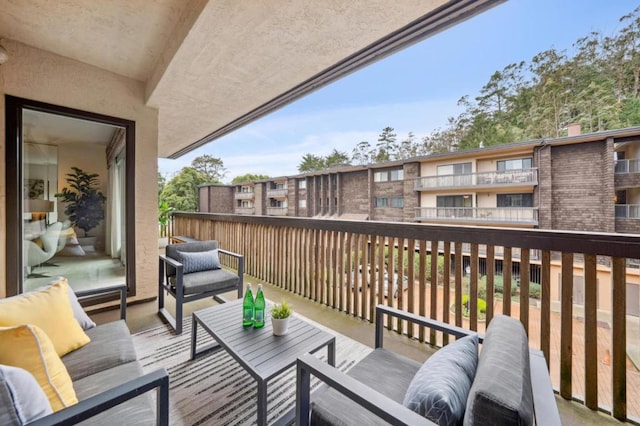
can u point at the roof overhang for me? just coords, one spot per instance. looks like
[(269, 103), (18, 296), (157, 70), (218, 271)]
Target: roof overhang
[(212, 66)]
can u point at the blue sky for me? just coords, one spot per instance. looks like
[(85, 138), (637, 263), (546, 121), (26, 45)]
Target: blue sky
[(414, 90)]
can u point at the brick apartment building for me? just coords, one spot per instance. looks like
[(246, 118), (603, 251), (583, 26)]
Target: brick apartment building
[(582, 182)]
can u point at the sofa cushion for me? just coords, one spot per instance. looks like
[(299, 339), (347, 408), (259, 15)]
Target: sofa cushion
[(49, 309), (199, 282), (111, 345), (28, 347), (332, 408), (199, 261), (501, 393), (22, 400), (439, 390), (137, 411)]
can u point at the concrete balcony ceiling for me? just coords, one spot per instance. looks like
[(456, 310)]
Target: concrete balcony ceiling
[(210, 66)]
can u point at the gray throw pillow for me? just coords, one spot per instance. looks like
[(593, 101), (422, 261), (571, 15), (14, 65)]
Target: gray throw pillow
[(440, 388), (198, 261), (22, 400)]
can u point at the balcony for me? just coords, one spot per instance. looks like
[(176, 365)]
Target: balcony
[(628, 211), (627, 166), (277, 193), (244, 195), (492, 215), (276, 211), (340, 265), (245, 210), (507, 178)]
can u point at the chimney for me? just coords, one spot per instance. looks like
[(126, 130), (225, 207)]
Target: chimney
[(573, 129)]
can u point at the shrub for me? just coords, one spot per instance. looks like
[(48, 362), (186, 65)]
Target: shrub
[(482, 304), (534, 290)]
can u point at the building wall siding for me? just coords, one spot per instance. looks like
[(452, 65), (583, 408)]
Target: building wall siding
[(354, 194)]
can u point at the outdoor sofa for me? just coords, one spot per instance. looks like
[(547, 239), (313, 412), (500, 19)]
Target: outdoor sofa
[(507, 384), (106, 376)]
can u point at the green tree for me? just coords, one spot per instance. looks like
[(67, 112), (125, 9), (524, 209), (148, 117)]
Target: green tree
[(387, 148), (336, 158), (181, 192), (311, 163), (162, 181), (248, 177), (362, 153), (211, 167)]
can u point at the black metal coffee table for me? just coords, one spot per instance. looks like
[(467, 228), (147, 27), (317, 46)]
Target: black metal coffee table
[(257, 350)]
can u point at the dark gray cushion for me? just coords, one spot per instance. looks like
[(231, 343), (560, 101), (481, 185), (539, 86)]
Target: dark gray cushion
[(332, 408), (199, 261), (214, 280), (137, 411), (22, 400), (439, 390), (501, 393), (172, 251), (111, 345)]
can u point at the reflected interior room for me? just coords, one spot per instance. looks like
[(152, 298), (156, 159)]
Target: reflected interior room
[(67, 232)]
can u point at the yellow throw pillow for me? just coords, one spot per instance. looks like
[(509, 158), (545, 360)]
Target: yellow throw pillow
[(28, 347), (49, 309)]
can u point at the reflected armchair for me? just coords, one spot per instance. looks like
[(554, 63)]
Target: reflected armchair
[(34, 255), (192, 271)]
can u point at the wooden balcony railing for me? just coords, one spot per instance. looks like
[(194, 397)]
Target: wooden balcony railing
[(245, 210), (517, 177), (345, 264), (277, 211), (277, 193)]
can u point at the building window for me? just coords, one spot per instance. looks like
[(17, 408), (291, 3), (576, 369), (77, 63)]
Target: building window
[(453, 201), (381, 176), (245, 189), (515, 164), (515, 200), (380, 202), (388, 175), (397, 202), (302, 184), (302, 204), (454, 169)]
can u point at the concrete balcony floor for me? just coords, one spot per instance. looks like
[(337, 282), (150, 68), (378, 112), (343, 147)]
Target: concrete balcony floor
[(143, 316)]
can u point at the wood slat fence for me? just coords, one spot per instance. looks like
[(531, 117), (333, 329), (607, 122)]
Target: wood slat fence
[(353, 265)]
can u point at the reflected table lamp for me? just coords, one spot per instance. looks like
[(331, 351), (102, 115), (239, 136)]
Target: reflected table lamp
[(39, 209)]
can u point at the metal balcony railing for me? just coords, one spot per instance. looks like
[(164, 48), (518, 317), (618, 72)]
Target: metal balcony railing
[(628, 211), (628, 166), (276, 211), (277, 193), (481, 179), (507, 215), (244, 195), (245, 210)]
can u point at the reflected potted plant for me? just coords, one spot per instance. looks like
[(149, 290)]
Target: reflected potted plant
[(280, 314), (84, 202)]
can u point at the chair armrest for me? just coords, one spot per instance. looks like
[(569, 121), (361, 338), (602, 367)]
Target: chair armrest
[(122, 288), (240, 263), (171, 261), (96, 404), (544, 400), (370, 399), (419, 320)]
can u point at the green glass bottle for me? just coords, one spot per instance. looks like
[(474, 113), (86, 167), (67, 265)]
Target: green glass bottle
[(259, 308), (247, 308)]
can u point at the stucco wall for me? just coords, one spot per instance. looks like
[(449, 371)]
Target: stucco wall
[(35, 74)]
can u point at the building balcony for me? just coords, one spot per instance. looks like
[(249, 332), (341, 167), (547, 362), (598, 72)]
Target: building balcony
[(577, 325), (277, 193), (507, 178), (245, 210), (627, 166), (276, 211), (487, 215), (244, 195), (628, 211)]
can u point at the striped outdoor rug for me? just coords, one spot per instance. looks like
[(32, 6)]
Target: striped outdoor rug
[(214, 389)]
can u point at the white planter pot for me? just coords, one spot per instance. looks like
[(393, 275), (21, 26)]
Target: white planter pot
[(280, 326)]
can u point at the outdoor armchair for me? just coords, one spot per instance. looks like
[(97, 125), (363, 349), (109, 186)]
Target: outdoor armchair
[(193, 271)]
